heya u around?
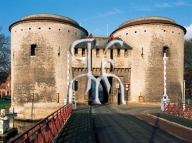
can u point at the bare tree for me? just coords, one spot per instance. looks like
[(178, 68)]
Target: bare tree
[(188, 59), (5, 59)]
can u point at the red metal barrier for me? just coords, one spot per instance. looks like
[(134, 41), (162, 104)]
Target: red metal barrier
[(179, 110), (47, 129)]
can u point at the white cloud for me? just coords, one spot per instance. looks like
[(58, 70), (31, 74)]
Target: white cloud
[(104, 14), (163, 5), (168, 5), (141, 7), (156, 5), (188, 35), (108, 13), (180, 3)]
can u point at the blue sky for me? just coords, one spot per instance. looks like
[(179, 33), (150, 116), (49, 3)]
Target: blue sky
[(94, 15)]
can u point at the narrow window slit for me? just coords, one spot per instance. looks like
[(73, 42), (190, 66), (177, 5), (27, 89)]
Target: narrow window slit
[(33, 49)]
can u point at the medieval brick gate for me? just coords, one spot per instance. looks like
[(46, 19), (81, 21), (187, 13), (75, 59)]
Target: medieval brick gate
[(123, 73)]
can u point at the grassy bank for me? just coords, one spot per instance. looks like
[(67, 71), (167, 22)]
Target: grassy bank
[(176, 119), (190, 100), (4, 103)]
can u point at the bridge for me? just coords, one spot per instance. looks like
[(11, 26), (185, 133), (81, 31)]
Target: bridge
[(104, 123)]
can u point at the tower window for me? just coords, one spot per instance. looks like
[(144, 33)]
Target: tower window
[(118, 52), (33, 50), (97, 52), (59, 51), (83, 51), (76, 51), (125, 52), (166, 51)]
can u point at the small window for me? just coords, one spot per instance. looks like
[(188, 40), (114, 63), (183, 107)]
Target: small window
[(59, 51), (76, 51), (166, 51), (58, 98), (135, 31), (126, 33), (97, 52), (29, 28), (144, 30), (33, 50), (83, 51), (125, 52), (118, 52)]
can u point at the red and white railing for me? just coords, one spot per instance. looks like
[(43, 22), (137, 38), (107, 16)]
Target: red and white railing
[(183, 110), (47, 129)]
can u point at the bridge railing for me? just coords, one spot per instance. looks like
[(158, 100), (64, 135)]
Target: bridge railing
[(47, 129), (183, 110)]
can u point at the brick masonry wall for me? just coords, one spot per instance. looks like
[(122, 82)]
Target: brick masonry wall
[(41, 78), (81, 96), (121, 68), (147, 70)]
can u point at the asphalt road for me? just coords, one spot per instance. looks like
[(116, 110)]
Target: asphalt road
[(112, 125)]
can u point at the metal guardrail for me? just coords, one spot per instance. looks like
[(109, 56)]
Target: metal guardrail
[(183, 110), (47, 129)]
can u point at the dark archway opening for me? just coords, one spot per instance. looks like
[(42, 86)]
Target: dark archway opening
[(103, 95)]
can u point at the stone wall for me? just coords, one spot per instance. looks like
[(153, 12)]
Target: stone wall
[(40, 77), (147, 69)]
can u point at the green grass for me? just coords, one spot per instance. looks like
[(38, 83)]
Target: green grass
[(190, 100), (4, 103), (176, 119)]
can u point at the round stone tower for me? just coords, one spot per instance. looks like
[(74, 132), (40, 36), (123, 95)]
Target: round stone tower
[(41, 63), (150, 38)]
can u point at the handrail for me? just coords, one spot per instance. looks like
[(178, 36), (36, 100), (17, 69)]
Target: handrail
[(47, 129)]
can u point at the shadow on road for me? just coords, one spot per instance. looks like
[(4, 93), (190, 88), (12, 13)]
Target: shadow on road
[(155, 128), (78, 129)]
